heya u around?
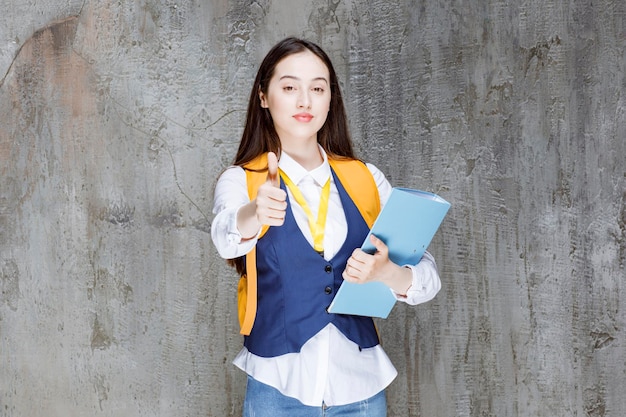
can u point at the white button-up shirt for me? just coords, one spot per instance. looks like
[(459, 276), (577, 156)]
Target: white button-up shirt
[(330, 368)]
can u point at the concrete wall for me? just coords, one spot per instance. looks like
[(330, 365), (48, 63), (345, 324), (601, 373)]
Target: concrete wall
[(117, 116)]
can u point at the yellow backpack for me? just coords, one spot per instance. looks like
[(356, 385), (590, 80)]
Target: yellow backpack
[(359, 183)]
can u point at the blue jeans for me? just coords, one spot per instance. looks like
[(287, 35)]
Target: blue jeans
[(265, 401)]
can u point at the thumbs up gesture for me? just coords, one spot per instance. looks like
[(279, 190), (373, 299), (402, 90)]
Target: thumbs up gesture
[(272, 169), (271, 200)]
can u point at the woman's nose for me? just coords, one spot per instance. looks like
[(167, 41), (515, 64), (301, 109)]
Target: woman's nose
[(304, 101)]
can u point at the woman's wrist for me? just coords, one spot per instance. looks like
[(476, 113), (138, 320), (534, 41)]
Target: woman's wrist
[(247, 221), (400, 278)]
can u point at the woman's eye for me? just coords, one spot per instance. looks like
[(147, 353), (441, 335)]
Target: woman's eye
[(288, 88), (318, 89)]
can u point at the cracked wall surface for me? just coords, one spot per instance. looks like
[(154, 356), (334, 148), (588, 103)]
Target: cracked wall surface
[(117, 117)]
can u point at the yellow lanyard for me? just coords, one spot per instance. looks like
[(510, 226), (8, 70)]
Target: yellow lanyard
[(317, 227)]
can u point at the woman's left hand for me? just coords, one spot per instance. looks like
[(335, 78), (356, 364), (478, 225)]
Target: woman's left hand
[(363, 267)]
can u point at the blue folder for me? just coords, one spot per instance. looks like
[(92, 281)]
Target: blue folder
[(407, 224)]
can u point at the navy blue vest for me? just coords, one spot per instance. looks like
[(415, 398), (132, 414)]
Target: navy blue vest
[(296, 285)]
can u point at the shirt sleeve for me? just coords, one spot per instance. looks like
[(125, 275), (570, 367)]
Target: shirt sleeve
[(230, 195), (426, 282)]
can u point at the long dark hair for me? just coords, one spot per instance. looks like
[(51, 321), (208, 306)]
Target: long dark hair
[(259, 135)]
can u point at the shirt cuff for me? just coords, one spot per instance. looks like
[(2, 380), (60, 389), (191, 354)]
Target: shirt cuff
[(233, 237), (226, 236), (425, 284)]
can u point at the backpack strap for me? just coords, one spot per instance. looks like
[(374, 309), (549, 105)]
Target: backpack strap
[(359, 183), (247, 287)]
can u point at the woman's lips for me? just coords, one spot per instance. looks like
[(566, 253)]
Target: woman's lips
[(303, 117)]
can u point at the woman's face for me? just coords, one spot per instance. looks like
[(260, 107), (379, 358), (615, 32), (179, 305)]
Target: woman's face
[(298, 98)]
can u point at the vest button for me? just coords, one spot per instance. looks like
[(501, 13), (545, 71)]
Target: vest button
[(328, 290), (328, 269)]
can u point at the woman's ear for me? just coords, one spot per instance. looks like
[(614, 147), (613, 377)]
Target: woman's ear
[(262, 99)]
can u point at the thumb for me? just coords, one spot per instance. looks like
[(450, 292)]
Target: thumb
[(272, 169), (378, 244)]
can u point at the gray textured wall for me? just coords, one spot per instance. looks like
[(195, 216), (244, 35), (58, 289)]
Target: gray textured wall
[(117, 116)]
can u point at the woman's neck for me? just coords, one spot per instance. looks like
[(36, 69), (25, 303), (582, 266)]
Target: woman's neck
[(308, 155)]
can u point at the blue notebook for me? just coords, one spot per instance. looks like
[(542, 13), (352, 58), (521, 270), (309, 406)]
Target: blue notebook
[(407, 224)]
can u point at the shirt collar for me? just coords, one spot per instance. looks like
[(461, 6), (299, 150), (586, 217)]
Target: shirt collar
[(297, 172)]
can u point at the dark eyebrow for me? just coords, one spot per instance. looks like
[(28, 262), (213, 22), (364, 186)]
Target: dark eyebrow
[(292, 77)]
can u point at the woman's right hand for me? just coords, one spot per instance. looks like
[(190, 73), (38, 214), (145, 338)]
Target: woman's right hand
[(268, 208), (271, 200)]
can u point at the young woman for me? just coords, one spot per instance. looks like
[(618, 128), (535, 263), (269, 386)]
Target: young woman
[(291, 214)]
